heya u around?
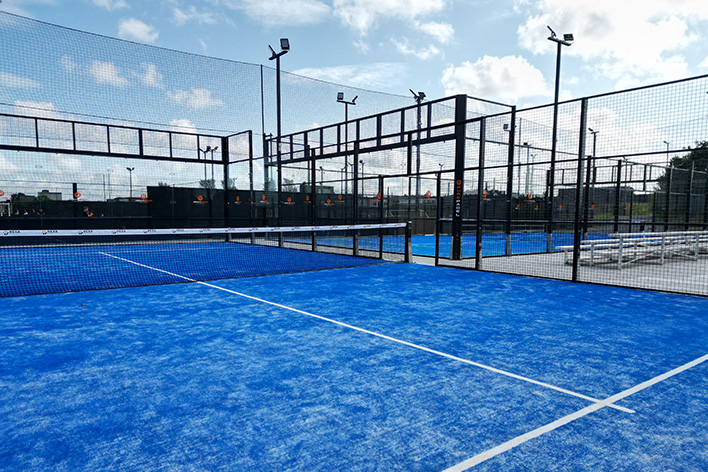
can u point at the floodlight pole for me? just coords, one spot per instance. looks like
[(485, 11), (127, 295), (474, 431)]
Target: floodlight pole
[(285, 47), (667, 153), (418, 97), (130, 174), (594, 159), (566, 41), (340, 99), (205, 151), (213, 182)]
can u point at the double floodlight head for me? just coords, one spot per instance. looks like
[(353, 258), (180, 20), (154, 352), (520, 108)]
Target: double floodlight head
[(566, 41), (209, 149), (340, 99), (284, 48)]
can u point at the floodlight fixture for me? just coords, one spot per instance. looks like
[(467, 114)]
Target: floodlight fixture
[(284, 48), (566, 41), (419, 97), (340, 99)]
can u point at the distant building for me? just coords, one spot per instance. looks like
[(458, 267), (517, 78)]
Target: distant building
[(47, 195)]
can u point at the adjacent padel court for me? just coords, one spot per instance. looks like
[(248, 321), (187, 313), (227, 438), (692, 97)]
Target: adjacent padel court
[(371, 366)]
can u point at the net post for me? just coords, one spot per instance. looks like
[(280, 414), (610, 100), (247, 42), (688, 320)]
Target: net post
[(408, 256), (355, 236)]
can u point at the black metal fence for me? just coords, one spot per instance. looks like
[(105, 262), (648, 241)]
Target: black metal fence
[(620, 199)]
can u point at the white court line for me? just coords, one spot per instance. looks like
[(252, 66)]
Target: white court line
[(488, 454), (604, 403)]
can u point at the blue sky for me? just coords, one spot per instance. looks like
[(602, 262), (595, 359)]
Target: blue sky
[(494, 49)]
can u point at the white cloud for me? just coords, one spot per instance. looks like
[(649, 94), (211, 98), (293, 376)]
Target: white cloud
[(150, 76), (362, 15), (203, 45), (364, 76), (111, 5), (629, 41), (704, 63), (362, 46), (67, 62), (403, 46), (137, 30), (15, 81), (181, 17), (107, 73), (292, 12), (505, 79), (36, 109), (183, 125), (442, 32), (195, 98)]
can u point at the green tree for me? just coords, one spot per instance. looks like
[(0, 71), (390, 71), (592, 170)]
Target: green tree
[(207, 183), (696, 157)]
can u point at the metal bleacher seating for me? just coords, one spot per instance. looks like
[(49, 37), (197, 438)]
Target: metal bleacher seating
[(624, 249)]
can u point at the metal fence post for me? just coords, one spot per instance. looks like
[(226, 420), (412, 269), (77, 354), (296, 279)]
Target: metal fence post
[(579, 200)]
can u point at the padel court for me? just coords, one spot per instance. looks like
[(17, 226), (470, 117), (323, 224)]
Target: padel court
[(385, 366)]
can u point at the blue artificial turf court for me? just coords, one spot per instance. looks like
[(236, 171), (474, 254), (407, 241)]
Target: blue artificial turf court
[(372, 367)]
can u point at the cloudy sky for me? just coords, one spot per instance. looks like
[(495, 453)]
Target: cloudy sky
[(494, 49)]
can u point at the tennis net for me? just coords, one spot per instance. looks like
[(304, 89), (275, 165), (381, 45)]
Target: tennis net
[(54, 261)]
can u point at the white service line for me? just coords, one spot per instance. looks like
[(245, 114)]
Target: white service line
[(604, 403), (488, 454)]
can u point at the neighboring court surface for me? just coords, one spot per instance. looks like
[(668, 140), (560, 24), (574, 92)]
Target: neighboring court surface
[(494, 244), (387, 367)]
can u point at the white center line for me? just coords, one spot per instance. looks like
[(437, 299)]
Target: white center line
[(604, 403), (488, 454)]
